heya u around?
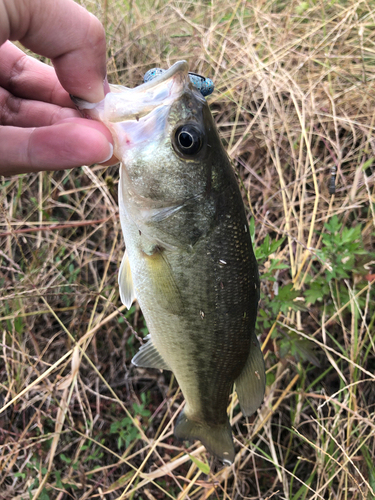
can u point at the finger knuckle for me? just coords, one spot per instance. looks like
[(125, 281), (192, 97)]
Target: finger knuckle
[(9, 108), (96, 33), (16, 72)]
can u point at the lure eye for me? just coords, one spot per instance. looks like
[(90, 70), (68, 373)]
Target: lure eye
[(188, 140)]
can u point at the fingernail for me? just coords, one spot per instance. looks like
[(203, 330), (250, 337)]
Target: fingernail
[(106, 86), (110, 154)]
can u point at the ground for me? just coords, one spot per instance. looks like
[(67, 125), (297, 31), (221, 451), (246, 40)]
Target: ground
[(294, 104)]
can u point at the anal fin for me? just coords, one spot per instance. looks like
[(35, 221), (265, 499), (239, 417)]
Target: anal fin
[(125, 282), (251, 383), (149, 357)]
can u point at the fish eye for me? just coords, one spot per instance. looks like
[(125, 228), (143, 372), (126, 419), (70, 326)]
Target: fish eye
[(188, 139)]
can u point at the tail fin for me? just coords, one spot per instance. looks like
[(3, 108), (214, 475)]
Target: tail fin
[(218, 440)]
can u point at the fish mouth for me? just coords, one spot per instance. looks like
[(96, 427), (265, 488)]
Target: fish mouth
[(133, 104), (123, 104)]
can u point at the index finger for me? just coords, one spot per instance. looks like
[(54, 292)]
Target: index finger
[(66, 33)]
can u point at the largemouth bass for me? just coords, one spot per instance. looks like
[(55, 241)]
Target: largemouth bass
[(189, 260)]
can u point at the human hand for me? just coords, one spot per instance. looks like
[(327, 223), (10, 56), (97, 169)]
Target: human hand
[(39, 127)]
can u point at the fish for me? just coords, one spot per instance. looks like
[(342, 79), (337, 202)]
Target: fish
[(189, 260)]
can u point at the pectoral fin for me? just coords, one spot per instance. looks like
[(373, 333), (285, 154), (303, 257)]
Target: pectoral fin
[(251, 384), (167, 293), (125, 282), (149, 357), (153, 215)]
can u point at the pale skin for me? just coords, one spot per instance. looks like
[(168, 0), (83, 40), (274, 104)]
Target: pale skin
[(39, 127)]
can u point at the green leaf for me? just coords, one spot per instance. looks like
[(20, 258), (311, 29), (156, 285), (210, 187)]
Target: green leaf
[(285, 300), (144, 331), (205, 468), (277, 264), (301, 8), (371, 471), (270, 378), (44, 495), (300, 348), (316, 292), (367, 164), (303, 351), (333, 225), (65, 459), (114, 427), (58, 479), (141, 410), (275, 245), (19, 474), (371, 478)]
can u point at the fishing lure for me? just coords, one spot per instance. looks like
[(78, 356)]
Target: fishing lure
[(204, 85)]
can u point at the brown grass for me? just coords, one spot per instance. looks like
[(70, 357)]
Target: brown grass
[(294, 98)]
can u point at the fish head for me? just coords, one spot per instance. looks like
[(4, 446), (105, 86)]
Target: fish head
[(163, 134)]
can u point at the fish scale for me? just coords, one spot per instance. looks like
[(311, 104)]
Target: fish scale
[(189, 260)]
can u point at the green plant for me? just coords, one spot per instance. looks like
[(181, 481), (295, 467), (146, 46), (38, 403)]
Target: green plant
[(338, 261), (269, 266), (35, 467), (124, 430), (273, 298), (279, 298)]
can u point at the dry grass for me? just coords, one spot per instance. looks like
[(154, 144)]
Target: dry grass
[(294, 98)]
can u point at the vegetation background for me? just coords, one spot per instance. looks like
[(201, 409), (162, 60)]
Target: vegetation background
[(294, 103)]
